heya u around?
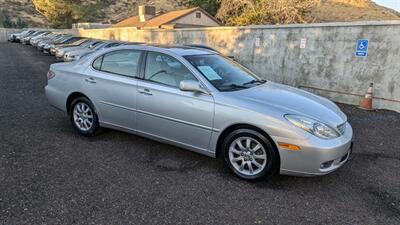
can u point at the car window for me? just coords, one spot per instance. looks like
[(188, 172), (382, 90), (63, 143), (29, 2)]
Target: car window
[(123, 62), (223, 73), (97, 63), (165, 69)]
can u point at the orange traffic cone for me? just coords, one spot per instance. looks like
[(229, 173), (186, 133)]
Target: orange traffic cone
[(366, 102)]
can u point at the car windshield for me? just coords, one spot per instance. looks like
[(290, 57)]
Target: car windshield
[(224, 73)]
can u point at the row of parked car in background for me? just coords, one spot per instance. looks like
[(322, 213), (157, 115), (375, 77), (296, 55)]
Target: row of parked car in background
[(65, 47)]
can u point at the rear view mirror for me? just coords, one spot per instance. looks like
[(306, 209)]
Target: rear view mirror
[(191, 85)]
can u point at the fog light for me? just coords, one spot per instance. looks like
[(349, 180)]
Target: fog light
[(326, 164)]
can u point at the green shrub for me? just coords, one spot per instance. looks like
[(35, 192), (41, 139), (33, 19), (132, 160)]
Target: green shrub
[(5, 20)]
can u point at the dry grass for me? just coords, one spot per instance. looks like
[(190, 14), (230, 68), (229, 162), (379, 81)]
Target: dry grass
[(244, 12), (351, 10)]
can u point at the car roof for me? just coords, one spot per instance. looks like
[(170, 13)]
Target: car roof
[(181, 50)]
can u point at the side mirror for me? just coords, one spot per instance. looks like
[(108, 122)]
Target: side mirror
[(191, 85)]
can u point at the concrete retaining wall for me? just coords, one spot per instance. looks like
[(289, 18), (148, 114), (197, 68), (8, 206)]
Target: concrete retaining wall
[(327, 64), (4, 32)]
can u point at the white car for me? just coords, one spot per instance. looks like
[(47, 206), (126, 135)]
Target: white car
[(79, 53), (60, 52), (202, 101)]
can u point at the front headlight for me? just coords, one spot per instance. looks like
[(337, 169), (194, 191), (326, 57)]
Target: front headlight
[(313, 126), (70, 57)]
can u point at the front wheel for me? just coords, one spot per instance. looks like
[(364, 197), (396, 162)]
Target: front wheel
[(250, 155), (84, 117)]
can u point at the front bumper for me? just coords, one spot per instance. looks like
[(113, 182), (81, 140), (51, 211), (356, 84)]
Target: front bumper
[(68, 58), (317, 156), (60, 55), (52, 51)]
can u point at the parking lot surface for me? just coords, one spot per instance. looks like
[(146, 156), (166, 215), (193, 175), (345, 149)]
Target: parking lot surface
[(51, 175)]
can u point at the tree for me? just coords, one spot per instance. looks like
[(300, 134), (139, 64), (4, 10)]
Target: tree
[(5, 20), (211, 6), (62, 13), (245, 12), (20, 23)]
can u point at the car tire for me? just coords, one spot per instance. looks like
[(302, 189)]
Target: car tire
[(254, 159), (83, 117)]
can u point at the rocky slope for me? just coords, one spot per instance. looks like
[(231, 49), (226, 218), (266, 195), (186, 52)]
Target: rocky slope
[(116, 10)]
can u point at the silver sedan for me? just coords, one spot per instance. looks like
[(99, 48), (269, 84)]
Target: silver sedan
[(199, 100)]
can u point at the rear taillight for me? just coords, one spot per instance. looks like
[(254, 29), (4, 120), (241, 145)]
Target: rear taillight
[(50, 75)]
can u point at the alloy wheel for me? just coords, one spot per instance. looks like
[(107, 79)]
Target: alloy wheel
[(247, 156), (83, 116)]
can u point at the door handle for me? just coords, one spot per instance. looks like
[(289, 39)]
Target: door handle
[(145, 91), (90, 80)]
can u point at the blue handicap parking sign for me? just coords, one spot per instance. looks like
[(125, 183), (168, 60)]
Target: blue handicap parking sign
[(362, 48)]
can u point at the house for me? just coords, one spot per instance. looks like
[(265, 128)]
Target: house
[(184, 18), (90, 25)]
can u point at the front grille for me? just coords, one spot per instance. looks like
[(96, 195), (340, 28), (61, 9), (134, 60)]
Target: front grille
[(341, 128)]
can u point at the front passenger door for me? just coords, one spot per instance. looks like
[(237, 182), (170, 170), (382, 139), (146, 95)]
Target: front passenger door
[(164, 111)]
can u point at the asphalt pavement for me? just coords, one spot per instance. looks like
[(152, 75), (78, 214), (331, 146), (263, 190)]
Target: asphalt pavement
[(51, 175)]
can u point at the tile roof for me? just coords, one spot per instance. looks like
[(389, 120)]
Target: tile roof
[(156, 21), (133, 21)]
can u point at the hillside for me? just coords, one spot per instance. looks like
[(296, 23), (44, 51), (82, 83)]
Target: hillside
[(113, 10), (24, 10), (116, 10), (351, 10)]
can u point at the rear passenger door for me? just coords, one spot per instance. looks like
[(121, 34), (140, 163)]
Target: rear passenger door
[(112, 84)]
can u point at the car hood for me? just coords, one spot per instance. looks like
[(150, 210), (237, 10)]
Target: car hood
[(78, 51), (290, 100), (70, 49)]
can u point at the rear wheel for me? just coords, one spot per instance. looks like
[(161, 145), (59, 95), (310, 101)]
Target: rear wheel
[(249, 154), (84, 117)]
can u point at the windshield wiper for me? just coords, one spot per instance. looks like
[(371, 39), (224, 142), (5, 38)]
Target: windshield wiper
[(234, 86), (254, 81)]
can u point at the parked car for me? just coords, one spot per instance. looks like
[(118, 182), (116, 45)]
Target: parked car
[(60, 50), (73, 55), (27, 40), (52, 41), (199, 100), (67, 40), (45, 35), (34, 41), (17, 37), (74, 43), (13, 37), (56, 39)]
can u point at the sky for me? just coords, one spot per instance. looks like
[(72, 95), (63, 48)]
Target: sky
[(393, 4)]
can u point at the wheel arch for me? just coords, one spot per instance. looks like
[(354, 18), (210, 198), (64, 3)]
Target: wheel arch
[(71, 98), (233, 127)]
